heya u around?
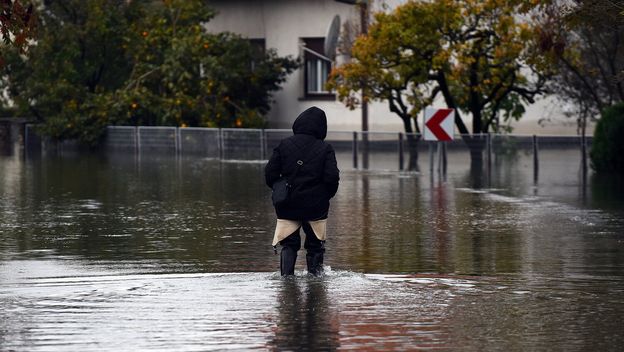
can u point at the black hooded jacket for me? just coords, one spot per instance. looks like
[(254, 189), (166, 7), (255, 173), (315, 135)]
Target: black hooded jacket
[(316, 181)]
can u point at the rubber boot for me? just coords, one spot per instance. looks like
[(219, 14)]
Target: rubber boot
[(315, 263), (288, 257)]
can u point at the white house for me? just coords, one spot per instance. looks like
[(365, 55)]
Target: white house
[(290, 25)]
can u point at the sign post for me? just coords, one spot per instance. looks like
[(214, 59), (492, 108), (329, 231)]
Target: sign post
[(438, 126)]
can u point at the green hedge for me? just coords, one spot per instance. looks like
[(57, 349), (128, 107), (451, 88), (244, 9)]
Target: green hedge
[(607, 153)]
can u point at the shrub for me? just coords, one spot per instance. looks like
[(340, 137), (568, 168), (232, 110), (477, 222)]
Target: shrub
[(607, 152)]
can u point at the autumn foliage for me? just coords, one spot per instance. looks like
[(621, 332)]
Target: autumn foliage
[(17, 23), (477, 56)]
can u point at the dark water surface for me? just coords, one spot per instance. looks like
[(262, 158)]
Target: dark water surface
[(163, 253)]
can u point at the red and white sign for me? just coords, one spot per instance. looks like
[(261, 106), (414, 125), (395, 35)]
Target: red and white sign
[(439, 124)]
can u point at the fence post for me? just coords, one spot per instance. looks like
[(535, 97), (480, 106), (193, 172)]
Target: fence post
[(584, 152), (262, 144), (444, 160), (584, 163), (220, 143), (365, 149), (535, 159), (25, 139), (400, 151), (488, 147), (138, 139), (431, 158), (178, 141), (439, 156), (354, 150)]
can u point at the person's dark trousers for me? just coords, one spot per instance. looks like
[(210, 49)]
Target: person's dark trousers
[(288, 256), (315, 250), (290, 246)]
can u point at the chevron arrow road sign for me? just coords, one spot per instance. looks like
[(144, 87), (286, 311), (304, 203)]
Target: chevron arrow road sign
[(439, 124)]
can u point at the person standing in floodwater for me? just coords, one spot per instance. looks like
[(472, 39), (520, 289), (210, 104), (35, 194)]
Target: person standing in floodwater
[(309, 165)]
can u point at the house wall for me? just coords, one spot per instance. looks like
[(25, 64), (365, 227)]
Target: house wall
[(282, 23)]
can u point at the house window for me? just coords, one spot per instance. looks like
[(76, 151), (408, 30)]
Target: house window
[(316, 68)]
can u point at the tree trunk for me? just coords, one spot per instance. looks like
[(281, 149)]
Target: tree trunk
[(476, 144), (412, 147), (476, 173), (412, 143)]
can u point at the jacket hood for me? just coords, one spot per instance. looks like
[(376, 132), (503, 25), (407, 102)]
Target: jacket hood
[(312, 122)]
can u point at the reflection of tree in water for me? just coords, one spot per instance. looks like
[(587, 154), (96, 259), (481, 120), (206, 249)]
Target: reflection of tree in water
[(305, 318), (607, 192), (488, 237), (476, 176), (441, 226)]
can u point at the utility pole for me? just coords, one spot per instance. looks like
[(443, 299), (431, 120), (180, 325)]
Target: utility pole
[(363, 4)]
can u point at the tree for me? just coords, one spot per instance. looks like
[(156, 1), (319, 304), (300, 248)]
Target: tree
[(17, 23), (77, 58), (183, 75), (100, 62), (585, 40), (607, 154), (384, 62), (478, 55)]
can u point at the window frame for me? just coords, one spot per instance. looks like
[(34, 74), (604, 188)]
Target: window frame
[(315, 45)]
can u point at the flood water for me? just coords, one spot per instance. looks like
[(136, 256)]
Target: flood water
[(126, 252)]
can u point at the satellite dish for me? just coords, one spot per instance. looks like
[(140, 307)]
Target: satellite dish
[(331, 39)]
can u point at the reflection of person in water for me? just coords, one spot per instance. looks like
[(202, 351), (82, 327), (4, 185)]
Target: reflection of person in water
[(309, 165), (305, 321)]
